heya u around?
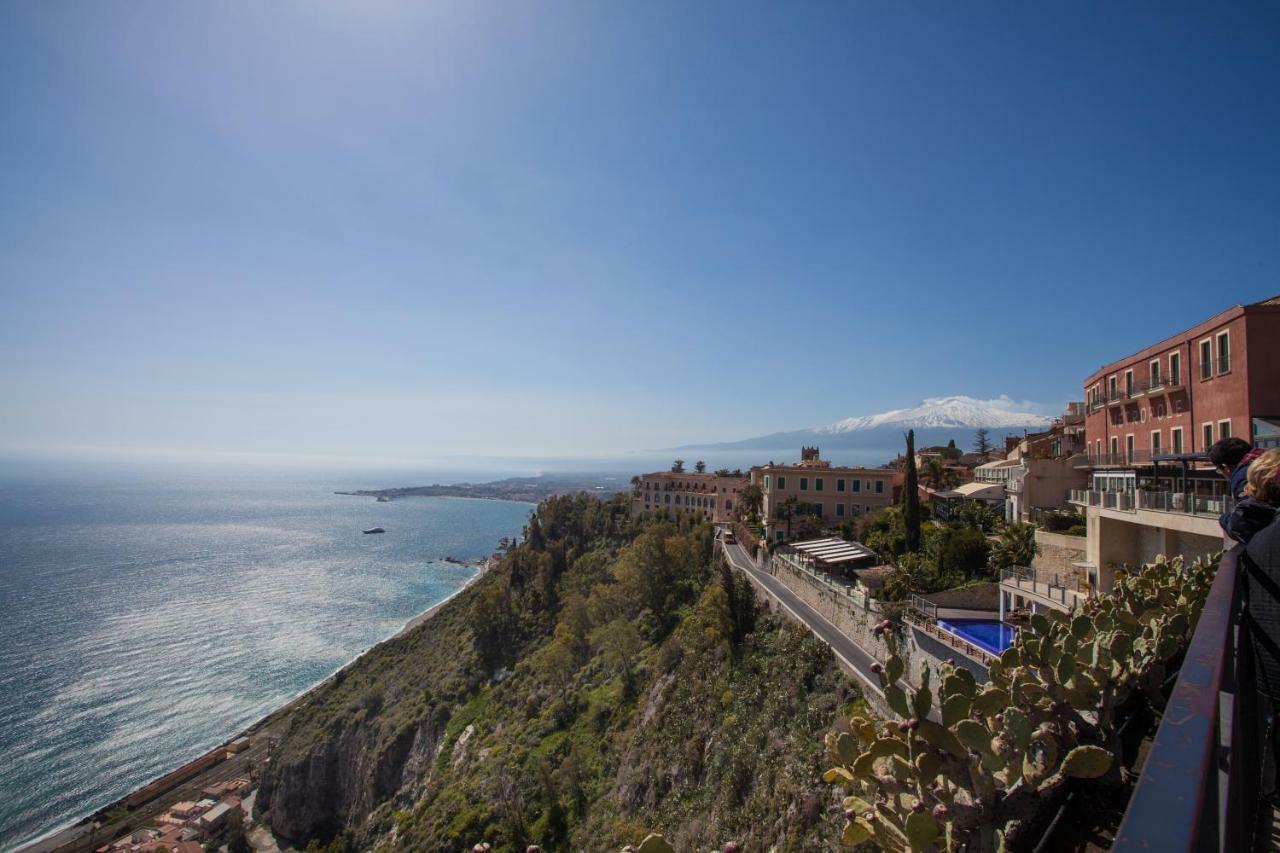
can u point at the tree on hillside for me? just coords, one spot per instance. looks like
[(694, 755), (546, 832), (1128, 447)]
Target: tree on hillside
[(981, 445), (722, 472), (677, 467), (911, 496), (700, 467)]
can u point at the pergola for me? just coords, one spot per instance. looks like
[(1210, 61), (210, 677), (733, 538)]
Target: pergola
[(835, 552)]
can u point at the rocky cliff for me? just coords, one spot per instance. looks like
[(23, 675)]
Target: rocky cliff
[(605, 679)]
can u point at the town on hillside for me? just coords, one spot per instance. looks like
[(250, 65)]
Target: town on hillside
[(1149, 467)]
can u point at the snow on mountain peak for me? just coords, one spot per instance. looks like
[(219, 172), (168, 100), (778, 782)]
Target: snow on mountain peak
[(947, 412)]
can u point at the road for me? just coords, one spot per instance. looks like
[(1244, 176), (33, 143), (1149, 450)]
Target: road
[(851, 655)]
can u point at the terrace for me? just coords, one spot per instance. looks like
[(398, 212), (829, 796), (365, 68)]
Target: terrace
[(1155, 501), (1061, 591)]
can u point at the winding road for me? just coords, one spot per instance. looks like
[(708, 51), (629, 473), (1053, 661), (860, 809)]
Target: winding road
[(851, 655)]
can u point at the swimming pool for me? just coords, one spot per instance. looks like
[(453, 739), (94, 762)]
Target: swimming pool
[(990, 634)]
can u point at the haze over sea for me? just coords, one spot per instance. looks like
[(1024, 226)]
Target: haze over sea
[(146, 616)]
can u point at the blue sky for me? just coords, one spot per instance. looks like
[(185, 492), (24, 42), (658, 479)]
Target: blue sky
[(562, 228)]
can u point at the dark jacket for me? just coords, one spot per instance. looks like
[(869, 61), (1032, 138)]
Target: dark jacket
[(1261, 565), (1239, 478), (1248, 517)]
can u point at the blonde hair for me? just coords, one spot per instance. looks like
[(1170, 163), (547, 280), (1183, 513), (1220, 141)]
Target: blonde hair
[(1264, 478)]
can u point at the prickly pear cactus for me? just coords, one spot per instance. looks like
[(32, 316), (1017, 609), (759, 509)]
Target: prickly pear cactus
[(965, 762)]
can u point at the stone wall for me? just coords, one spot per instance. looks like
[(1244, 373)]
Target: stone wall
[(1057, 551), (857, 624)]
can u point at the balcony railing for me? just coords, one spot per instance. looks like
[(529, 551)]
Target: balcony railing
[(1154, 501), (1137, 456), (1199, 788)]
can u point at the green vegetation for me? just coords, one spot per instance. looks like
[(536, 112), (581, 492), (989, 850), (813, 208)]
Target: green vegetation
[(605, 677), (1017, 546), (1050, 712)]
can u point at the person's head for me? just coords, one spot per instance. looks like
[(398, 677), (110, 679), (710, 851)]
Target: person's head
[(1227, 453), (1264, 478)]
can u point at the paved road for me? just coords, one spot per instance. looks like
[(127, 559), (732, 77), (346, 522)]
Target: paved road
[(855, 660)]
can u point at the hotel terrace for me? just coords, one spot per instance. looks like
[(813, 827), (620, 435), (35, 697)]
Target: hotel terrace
[(714, 496), (835, 495), (1150, 419)]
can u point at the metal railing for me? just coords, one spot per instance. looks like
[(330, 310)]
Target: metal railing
[(1178, 502), (1060, 587), (1199, 788)]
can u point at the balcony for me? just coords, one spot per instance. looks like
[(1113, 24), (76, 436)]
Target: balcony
[(1176, 502), (1199, 787), (1057, 590), (1120, 459)]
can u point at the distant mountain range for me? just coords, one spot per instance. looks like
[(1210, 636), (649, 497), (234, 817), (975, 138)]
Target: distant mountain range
[(936, 421)]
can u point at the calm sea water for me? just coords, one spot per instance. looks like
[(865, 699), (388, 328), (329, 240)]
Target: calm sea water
[(143, 622)]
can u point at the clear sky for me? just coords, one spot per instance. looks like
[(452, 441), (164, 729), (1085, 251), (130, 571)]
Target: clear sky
[(511, 228)]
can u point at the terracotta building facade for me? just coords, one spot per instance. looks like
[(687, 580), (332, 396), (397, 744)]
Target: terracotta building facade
[(714, 496), (834, 494)]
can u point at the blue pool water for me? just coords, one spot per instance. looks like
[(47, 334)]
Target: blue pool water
[(990, 634)]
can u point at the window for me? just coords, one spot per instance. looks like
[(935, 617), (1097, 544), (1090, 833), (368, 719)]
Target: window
[(668, 497), (1206, 359), (1224, 354), (1112, 393), (1115, 447), (804, 484), (1155, 374), (1208, 435), (1128, 447), (855, 485), (1224, 429), (817, 484), (782, 483), (840, 484), (839, 510), (879, 487), (1155, 443), (1128, 383), (1175, 368), (1175, 440), (766, 482)]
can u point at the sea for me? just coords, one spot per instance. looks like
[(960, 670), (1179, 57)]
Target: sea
[(147, 616)]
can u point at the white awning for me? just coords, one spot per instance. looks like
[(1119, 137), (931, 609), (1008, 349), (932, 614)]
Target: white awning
[(834, 550), (975, 492)]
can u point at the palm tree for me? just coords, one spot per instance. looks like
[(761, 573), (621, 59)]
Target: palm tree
[(1017, 546), (787, 510), (937, 476), (750, 499)]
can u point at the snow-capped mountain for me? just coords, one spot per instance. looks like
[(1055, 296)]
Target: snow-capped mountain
[(956, 412), (935, 421)]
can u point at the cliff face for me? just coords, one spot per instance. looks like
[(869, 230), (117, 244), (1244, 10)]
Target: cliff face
[(607, 679)]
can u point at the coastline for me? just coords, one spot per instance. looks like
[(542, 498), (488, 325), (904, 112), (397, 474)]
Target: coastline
[(67, 834)]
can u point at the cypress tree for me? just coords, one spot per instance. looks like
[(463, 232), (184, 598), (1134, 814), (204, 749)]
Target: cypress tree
[(911, 496)]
